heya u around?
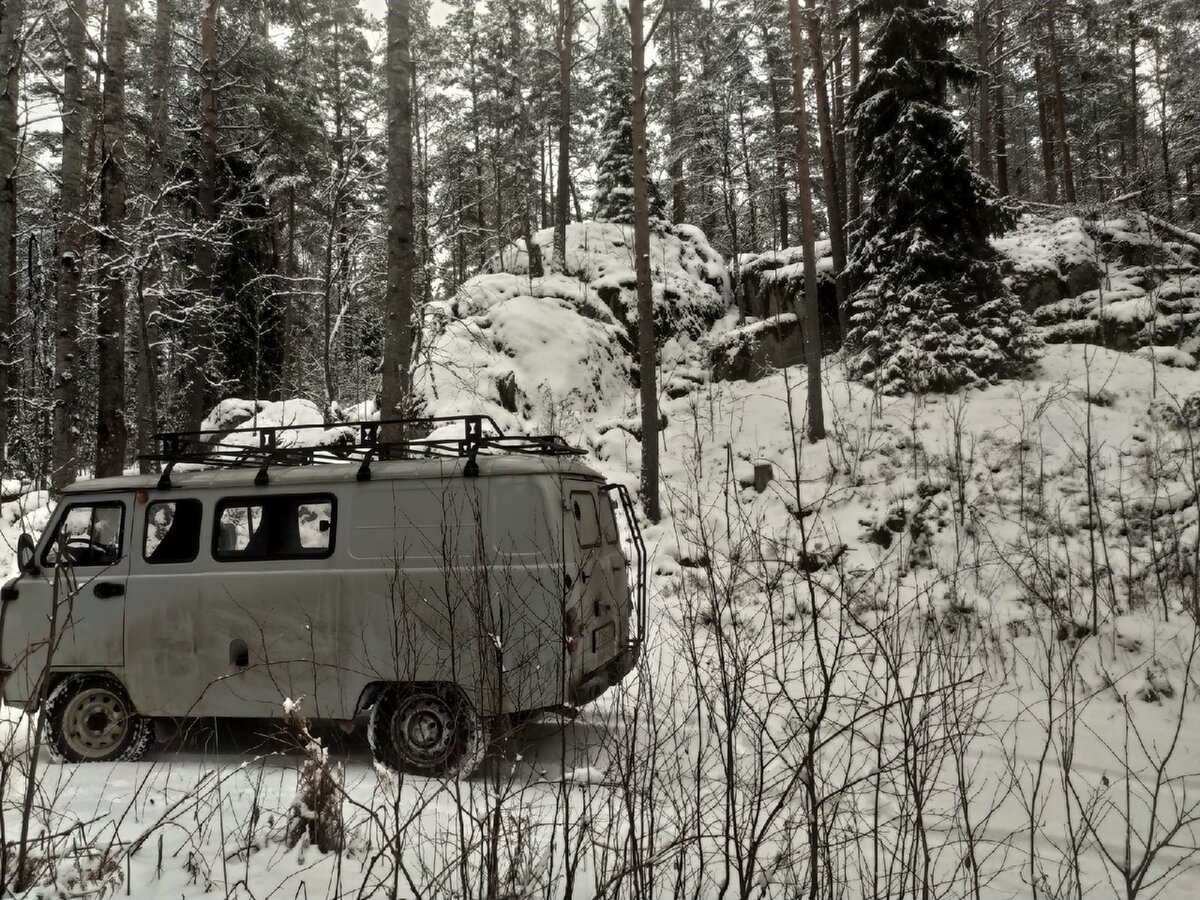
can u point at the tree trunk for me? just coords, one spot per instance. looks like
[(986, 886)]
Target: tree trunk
[(839, 121), (1060, 110), (777, 127), (1047, 141), (1000, 113), (396, 389), (524, 167), (562, 197), (1164, 143), (647, 355), (833, 200), (748, 172), (983, 39), (855, 72), (334, 271), (675, 124), (149, 284), (67, 431), (809, 313), (10, 25), (292, 379), (1135, 155), (91, 104), (1193, 187), (111, 427), (201, 312)]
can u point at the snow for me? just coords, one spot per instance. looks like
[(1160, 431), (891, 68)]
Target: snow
[(1168, 356), (949, 546), (1047, 246)]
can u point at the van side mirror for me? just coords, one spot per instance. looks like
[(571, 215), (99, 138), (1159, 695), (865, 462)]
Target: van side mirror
[(26, 549)]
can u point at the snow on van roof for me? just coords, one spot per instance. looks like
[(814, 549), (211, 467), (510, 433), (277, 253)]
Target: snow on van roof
[(337, 473)]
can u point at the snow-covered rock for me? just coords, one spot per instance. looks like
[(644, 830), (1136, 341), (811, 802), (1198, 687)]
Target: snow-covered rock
[(691, 282), (556, 352)]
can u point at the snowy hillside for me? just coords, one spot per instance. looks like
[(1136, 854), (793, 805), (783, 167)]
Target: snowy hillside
[(954, 642)]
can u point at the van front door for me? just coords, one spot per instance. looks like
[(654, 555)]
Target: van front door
[(88, 551)]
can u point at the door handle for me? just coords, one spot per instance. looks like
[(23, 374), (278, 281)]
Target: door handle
[(106, 589)]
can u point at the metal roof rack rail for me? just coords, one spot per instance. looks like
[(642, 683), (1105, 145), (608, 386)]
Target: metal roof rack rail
[(361, 442)]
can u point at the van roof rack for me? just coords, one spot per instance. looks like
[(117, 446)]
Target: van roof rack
[(360, 442)]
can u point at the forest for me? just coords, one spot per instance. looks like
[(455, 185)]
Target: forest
[(196, 203), (869, 329)]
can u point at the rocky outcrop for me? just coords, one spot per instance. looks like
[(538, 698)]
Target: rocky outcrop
[(1119, 282), (754, 351)]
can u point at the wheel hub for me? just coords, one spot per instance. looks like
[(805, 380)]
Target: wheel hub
[(94, 722), (423, 728)]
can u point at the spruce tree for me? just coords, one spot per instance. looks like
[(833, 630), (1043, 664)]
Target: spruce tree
[(932, 311), (613, 201)]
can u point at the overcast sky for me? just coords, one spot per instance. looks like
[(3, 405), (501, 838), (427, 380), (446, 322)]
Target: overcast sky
[(378, 8)]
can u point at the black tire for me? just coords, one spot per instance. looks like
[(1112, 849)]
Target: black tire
[(430, 731), (89, 719)]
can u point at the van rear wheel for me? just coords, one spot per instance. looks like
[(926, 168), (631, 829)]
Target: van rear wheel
[(430, 731), (90, 719)]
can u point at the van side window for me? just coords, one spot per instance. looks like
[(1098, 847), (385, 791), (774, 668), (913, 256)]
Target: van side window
[(89, 534), (172, 531), (587, 525), (282, 527)]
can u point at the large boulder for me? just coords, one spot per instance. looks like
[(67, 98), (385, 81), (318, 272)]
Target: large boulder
[(556, 352), (691, 287), (1050, 260), (757, 349), (772, 283)]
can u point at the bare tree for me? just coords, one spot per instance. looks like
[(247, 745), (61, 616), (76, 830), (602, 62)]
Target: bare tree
[(983, 41), (1060, 107), (149, 284), (196, 379), (111, 429), (678, 185), (1000, 114), (829, 176), (774, 76), (65, 460), (647, 355), (10, 57), (562, 199), (1047, 140), (809, 313), (398, 305)]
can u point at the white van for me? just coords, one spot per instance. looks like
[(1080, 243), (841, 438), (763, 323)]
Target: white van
[(438, 583)]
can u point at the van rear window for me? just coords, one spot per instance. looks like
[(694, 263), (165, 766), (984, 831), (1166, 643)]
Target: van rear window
[(282, 527), (587, 524)]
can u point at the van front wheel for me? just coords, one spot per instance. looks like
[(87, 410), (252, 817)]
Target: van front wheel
[(91, 719), (427, 730)]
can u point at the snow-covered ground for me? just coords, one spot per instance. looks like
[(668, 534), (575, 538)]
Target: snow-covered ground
[(951, 646)]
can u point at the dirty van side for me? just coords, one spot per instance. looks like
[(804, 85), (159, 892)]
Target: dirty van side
[(436, 593)]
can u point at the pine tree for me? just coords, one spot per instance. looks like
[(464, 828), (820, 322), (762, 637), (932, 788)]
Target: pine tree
[(614, 177), (933, 312)]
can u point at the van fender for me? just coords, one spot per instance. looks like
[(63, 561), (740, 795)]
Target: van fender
[(55, 677), (372, 692)]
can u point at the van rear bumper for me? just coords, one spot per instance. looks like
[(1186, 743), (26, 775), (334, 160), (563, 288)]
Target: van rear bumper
[(596, 683)]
